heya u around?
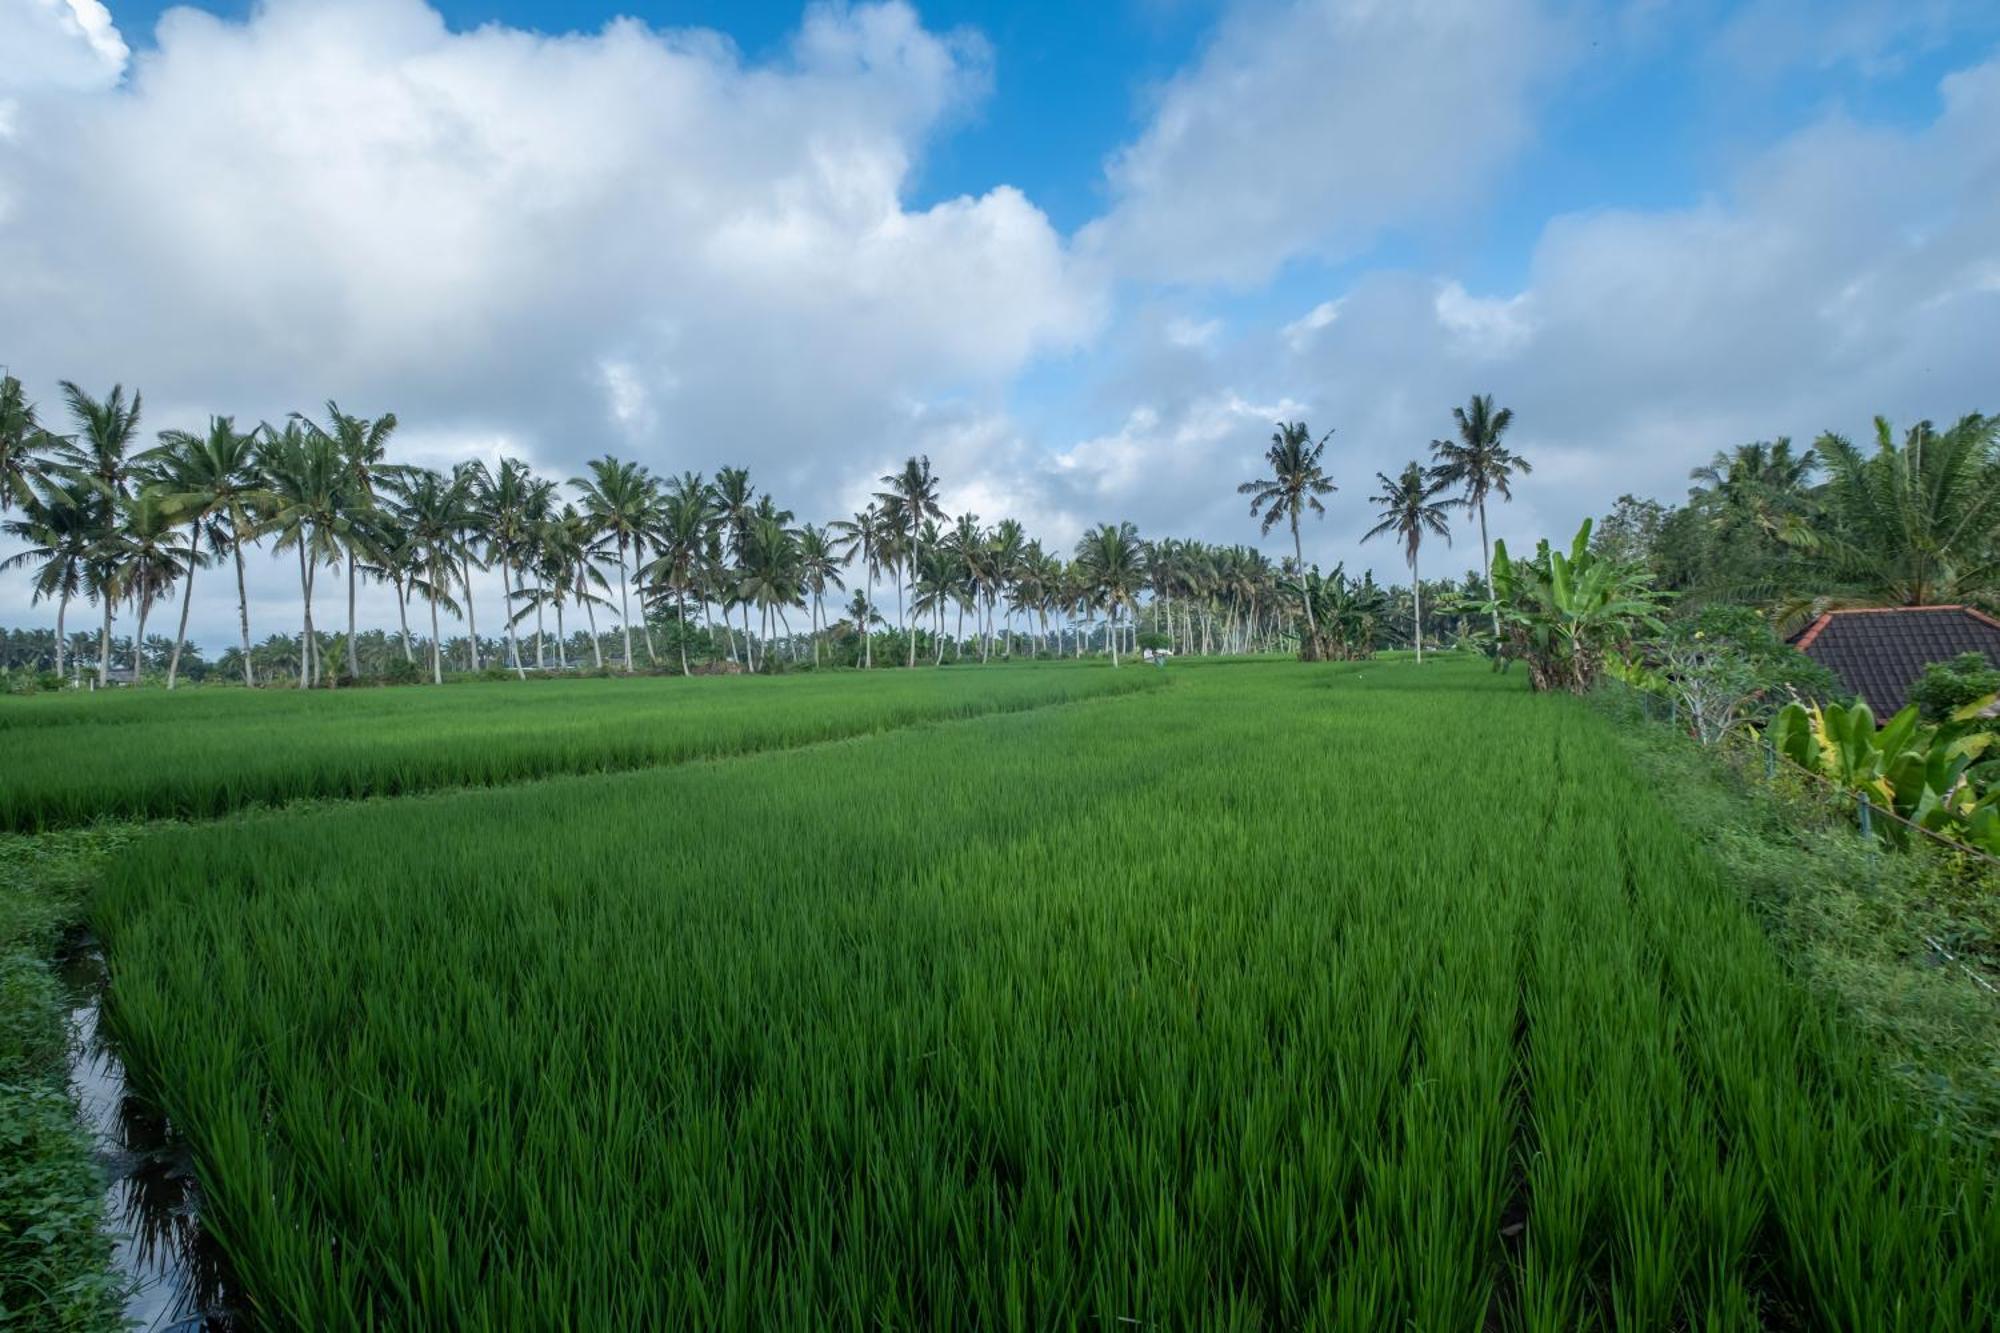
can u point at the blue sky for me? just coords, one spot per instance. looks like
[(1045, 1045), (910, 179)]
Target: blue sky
[(1082, 254)]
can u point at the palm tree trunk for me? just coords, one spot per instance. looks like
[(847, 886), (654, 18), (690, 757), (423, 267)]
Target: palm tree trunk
[(1299, 554), (1111, 632), (144, 604), (104, 644), (541, 593), (868, 612), (242, 601), (1417, 602), (437, 643), (471, 618), (749, 644), (680, 603), (1486, 565), (62, 611), (507, 610), (562, 644), (353, 662), (590, 614), (403, 618), (916, 559), (306, 631), (187, 600), (624, 607)]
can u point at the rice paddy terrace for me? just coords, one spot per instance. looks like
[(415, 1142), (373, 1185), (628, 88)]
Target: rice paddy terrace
[(1252, 995)]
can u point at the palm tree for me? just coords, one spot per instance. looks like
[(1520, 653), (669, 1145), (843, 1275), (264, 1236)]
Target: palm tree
[(1113, 564), (686, 511), (506, 499), (1296, 483), (861, 536), (308, 479), (211, 483), (363, 445), (99, 455), (471, 479), (1409, 508), (24, 445), (431, 510), (820, 567), (914, 490), (1480, 466), (148, 561), (617, 498), (1917, 523), (59, 523)]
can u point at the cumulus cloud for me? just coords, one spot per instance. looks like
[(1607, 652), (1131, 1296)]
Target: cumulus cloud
[(1309, 127), (632, 239), (59, 45)]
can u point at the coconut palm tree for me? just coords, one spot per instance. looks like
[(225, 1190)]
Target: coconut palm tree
[(148, 561), (1296, 483), (364, 446), (1480, 465), (684, 520), (1113, 565), (99, 454), (308, 479), (914, 490), (59, 523), (861, 535), (506, 501), (820, 568), (617, 500), (24, 445), (211, 483), (431, 512), (1916, 523), (1408, 506)]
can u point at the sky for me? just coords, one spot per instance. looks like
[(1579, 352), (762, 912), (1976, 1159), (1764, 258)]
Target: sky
[(1084, 256)]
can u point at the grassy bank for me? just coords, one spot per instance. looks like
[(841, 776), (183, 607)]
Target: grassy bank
[(55, 1259), (1854, 920), (1360, 996)]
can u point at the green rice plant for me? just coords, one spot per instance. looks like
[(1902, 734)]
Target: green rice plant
[(1283, 997), (73, 759)]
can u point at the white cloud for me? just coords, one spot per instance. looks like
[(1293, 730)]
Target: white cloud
[(1308, 127), (67, 45), (1483, 326), (1300, 331), (630, 240)]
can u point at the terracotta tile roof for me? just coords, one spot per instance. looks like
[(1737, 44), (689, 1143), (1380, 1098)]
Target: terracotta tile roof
[(1879, 652)]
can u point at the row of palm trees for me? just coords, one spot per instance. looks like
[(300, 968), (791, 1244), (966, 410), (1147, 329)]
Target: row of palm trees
[(108, 519), (1411, 505)]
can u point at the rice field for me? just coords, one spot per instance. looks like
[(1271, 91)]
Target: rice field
[(71, 759), (1276, 996)]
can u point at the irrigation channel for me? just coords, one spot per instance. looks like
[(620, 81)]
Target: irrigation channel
[(179, 1280)]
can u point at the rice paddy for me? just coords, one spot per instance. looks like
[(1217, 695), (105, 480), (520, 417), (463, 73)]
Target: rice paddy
[(71, 759), (1278, 997)]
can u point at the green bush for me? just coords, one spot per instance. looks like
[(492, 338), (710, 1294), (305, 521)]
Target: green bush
[(1946, 687), (1779, 671)]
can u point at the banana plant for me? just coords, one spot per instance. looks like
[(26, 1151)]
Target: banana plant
[(1905, 766), (1564, 613)]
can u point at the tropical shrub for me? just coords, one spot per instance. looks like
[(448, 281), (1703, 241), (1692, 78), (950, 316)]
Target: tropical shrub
[(1913, 769), (1564, 614), (1946, 687)]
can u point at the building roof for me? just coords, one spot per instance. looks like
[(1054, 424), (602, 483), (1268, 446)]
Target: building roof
[(1879, 652)]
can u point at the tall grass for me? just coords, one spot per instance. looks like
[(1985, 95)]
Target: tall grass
[(70, 760), (1288, 997)]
